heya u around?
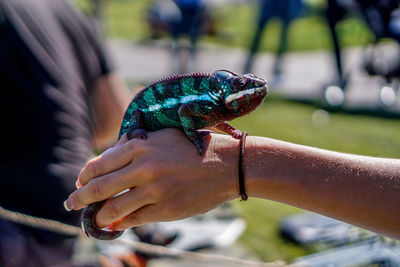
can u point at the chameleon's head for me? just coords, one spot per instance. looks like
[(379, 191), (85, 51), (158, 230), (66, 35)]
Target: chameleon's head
[(239, 92)]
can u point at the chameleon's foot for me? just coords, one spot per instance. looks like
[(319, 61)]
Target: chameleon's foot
[(237, 134), (136, 133), (89, 225), (229, 129)]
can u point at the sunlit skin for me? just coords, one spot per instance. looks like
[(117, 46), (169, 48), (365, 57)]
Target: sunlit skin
[(189, 102), (361, 190)]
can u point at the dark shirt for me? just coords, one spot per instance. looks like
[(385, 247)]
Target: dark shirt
[(50, 59)]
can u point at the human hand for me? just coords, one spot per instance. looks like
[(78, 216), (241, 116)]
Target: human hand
[(167, 179)]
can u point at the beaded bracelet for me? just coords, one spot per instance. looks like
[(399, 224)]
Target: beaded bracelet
[(242, 191)]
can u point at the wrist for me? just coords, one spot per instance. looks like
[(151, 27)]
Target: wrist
[(225, 150)]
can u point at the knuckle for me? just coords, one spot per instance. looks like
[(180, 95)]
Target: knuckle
[(92, 168), (150, 170), (156, 191), (169, 211), (95, 189), (144, 146), (133, 218), (112, 209), (130, 146), (137, 147)]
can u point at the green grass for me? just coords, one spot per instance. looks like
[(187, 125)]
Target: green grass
[(262, 233), (126, 19), (292, 122)]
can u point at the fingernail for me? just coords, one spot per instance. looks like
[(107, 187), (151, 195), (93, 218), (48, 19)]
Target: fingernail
[(111, 227), (78, 184), (68, 205), (108, 227)]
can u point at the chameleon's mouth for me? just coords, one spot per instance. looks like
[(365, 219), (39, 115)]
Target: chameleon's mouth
[(258, 92)]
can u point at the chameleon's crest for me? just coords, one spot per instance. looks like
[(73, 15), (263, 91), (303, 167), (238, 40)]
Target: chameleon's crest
[(178, 76)]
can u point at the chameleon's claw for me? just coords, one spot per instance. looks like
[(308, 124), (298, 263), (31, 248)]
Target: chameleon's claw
[(136, 133)]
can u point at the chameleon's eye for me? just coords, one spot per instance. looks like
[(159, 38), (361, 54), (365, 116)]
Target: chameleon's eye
[(239, 82)]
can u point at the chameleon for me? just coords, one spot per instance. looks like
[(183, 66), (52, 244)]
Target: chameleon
[(190, 102)]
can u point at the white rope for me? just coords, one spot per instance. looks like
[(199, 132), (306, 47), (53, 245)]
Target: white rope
[(165, 251), (66, 229), (45, 224)]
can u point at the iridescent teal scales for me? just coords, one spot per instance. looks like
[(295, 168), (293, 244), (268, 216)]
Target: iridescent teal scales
[(189, 102), (160, 101)]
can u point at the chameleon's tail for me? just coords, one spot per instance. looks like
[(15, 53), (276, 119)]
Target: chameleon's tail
[(89, 225)]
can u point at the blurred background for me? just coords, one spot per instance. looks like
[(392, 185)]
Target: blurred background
[(333, 68)]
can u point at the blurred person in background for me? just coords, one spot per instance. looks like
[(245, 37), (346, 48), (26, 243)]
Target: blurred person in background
[(382, 19), (181, 18), (286, 12), (191, 20), (336, 10), (61, 97)]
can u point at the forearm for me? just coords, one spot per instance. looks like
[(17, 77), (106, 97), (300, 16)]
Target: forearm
[(360, 190), (171, 181)]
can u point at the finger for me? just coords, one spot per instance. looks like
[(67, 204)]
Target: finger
[(111, 160), (146, 214), (104, 187), (121, 206)]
